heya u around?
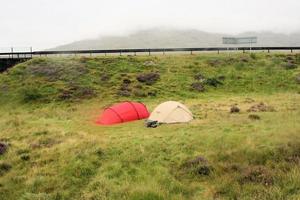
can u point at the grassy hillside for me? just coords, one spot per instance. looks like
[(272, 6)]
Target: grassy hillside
[(71, 79), (55, 151)]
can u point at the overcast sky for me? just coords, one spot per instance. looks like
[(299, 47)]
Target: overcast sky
[(47, 23)]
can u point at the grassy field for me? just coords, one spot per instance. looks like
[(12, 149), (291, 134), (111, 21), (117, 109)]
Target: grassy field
[(56, 151)]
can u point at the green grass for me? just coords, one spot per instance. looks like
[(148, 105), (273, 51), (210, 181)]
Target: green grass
[(48, 108)]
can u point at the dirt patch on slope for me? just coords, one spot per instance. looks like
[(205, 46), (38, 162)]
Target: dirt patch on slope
[(197, 86), (148, 78), (257, 174), (261, 107), (197, 166)]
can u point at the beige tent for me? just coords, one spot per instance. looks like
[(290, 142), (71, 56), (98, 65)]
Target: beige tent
[(171, 112)]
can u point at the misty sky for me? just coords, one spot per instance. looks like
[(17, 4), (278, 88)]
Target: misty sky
[(47, 23)]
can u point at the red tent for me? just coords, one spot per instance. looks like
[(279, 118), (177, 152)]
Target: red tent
[(123, 112)]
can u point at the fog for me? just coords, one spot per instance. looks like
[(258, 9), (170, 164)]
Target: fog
[(48, 23)]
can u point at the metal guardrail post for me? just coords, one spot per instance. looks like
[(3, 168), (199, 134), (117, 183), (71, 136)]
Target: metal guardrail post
[(12, 52)]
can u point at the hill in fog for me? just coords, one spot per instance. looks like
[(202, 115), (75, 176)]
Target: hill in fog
[(163, 38)]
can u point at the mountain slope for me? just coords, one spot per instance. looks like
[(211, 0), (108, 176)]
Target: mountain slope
[(163, 38)]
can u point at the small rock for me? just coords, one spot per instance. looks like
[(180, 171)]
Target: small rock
[(3, 148), (234, 109), (4, 167)]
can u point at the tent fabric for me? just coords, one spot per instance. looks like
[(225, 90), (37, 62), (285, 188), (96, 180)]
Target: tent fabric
[(171, 112), (123, 112)]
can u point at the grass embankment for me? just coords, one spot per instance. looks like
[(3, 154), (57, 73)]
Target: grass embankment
[(56, 151)]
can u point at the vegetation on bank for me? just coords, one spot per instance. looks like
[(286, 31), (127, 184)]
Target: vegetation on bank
[(243, 144), (71, 79)]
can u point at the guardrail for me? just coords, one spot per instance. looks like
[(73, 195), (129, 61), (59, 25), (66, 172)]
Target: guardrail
[(148, 51)]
